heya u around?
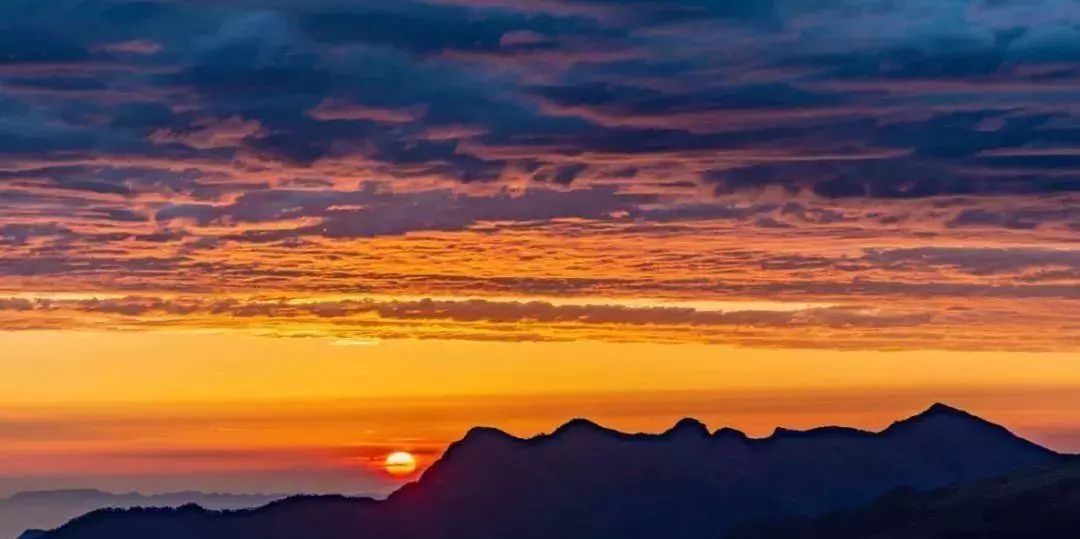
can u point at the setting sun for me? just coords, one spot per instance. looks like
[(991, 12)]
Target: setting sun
[(400, 463)]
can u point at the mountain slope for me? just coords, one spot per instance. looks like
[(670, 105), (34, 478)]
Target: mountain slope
[(50, 508), (586, 481), (1042, 503)]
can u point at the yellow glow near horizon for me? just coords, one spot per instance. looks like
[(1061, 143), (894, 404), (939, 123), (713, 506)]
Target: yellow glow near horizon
[(161, 367), (142, 404)]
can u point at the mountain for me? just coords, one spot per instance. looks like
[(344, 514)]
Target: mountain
[(585, 481), (51, 508), (1042, 503)]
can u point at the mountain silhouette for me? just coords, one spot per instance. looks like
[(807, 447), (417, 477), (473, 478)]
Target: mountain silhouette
[(50, 508), (1043, 503), (586, 481)]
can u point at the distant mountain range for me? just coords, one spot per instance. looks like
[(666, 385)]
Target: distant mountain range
[(585, 481), (51, 508)]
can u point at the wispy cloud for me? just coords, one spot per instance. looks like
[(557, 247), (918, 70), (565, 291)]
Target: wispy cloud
[(940, 324)]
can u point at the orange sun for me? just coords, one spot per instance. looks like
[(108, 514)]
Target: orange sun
[(400, 464)]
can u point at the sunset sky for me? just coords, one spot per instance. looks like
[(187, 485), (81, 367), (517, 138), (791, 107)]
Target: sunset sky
[(256, 246)]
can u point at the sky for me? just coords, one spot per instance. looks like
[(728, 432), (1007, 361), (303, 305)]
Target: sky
[(255, 246)]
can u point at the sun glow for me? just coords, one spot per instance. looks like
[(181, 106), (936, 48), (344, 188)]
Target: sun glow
[(400, 463)]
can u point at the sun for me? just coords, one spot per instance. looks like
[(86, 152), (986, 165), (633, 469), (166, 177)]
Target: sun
[(400, 463)]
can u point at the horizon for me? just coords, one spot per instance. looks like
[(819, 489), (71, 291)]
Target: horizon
[(304, 245), (552, 433), (931, 410)]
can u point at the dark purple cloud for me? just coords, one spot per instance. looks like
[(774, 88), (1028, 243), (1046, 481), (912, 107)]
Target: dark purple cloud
[(103, 77), (368, 212)]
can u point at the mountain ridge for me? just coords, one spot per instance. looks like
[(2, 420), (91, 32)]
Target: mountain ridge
[(54, 507), (583, 480), (584, 425)]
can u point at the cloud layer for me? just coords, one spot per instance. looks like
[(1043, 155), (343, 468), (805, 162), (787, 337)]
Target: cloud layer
[(914, 160)]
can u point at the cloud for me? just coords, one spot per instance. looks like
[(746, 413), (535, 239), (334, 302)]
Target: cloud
[(355, 322), (365, 70), (367, 212), (329, 110), (134, 46), (206, 134), (882, 151)]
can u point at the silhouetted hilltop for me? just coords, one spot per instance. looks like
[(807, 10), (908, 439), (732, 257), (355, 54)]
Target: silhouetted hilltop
[(1043, 503), (50, 508), (586, 481)]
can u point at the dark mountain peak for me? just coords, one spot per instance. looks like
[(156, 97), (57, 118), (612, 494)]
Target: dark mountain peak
[(944, 424), (783, 432), (940, 415), (487, 443), (477, 441), (937, 420), (727, 433), (580, 426), (688, 426), (485, 434), (939, 409)]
